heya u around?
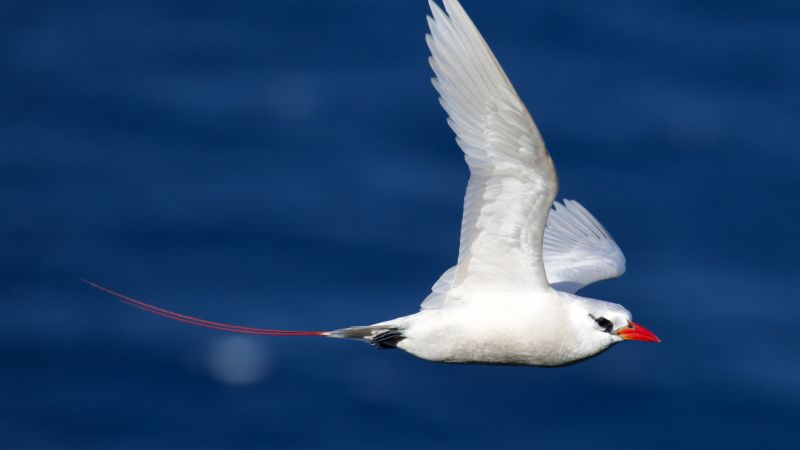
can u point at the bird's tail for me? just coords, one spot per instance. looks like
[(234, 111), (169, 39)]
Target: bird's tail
[(202, 322), (377, 335)]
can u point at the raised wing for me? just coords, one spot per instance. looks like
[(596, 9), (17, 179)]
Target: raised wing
[(577, 249), (513, 181)]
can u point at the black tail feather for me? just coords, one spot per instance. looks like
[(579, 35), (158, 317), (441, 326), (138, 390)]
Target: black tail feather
[(381, 337)]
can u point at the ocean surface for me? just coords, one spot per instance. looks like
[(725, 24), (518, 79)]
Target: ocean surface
[(286, 165)]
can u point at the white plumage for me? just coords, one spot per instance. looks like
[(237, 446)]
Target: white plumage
[(578, 250), (510, 299), (513, 181), (512, 184)]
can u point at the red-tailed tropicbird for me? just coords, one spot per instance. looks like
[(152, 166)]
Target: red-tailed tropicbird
[(510, 299)]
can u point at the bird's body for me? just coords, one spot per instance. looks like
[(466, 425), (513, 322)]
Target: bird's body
[(537, 329), (517, 329), (510, 299)]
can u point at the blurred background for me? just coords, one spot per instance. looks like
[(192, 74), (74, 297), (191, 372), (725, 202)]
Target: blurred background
[(287, 165)]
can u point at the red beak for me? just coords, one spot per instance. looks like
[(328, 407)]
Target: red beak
[(636, 332)]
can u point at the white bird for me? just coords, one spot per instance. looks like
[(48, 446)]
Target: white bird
[(510, 299)]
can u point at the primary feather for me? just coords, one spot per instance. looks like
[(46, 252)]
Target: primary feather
[(577, 249), (510, 238), (513, 181)]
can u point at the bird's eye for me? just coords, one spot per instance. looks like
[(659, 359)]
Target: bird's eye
[(605, 324)]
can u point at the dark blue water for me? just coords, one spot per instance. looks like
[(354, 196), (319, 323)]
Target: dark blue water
[(286, 165)]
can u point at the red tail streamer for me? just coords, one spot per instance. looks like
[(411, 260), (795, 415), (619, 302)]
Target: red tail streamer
[(201, 322)]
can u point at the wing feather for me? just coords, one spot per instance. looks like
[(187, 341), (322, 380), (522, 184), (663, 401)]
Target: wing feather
[(577, 249), (513, 181)]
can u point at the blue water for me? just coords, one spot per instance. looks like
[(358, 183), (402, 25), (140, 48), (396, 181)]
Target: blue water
[(286, 165)]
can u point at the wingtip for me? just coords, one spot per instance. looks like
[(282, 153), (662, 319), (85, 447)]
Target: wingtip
[(454, 8), (429, 36), (433, 5), (450, 4)]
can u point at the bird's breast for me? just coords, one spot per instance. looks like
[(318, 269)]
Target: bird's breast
[(491, 336)]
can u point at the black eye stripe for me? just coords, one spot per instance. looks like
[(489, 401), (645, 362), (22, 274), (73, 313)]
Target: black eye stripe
[(604, 323)]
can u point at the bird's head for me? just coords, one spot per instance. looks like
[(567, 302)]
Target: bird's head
[(601, 324)]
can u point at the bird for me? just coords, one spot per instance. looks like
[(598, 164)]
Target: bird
[(510, 299)]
